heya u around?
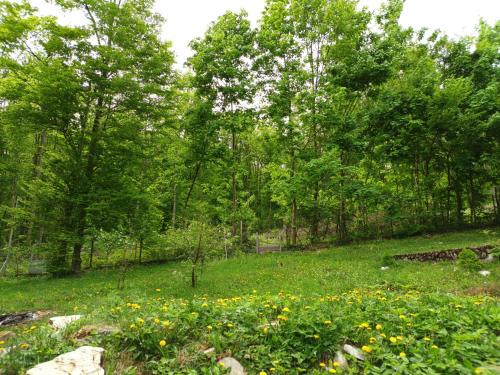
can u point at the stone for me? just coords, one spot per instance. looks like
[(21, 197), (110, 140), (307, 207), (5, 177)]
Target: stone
[(90, 330), (485, 273), (231, 363), (209, 352), (355, 352), (86, 360), (60, 322), (18, 318), (489, 259), (340, 358), (385, 268)]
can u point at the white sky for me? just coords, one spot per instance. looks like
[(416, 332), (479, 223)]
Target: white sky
[(188, 19)]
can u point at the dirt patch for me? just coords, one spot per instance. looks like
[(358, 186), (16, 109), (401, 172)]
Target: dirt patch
[(492, 290)]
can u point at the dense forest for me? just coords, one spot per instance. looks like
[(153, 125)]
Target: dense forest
[(324, 123)]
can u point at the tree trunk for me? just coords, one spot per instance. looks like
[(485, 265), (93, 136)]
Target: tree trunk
[(11, 232), (174, 206), (141, 246)]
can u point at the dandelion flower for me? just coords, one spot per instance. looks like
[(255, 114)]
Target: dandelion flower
[(262, 373), (366, 349), (322, 364), (163, 343), (328, 322), (286, 309), (373, 340), (332, 371), (402, 355), (393, 339), (378, 327)]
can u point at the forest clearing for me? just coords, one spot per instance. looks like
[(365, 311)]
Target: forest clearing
[(314, 187), (446, 304)]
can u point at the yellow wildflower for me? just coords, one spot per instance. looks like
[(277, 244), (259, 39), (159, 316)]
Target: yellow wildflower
[(378, 327), (373, 340), (262, 373), (427, 338), (478, 370), (230, 325), (316, 336), (322, 364), (286, 309), (366, 348), (332, 371), (435, 347), (328, 322), (364, 325), (402, 355), (336, 364), (163, 343), (393, 339), (157, 321), (24, 346), (158, 289)]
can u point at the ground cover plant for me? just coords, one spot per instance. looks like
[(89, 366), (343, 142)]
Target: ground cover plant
[(276, 313), (404, 332), (334, 270)]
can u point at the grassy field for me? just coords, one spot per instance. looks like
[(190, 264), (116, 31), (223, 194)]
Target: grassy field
[(334, 270), (281, 313)]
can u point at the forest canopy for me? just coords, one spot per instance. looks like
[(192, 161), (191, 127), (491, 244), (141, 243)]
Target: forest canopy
[(324, 123)]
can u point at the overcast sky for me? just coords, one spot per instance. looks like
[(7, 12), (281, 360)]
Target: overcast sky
[(188, 19)]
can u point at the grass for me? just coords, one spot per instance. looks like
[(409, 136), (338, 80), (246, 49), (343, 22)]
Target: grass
[(335, 270), (281, 313)]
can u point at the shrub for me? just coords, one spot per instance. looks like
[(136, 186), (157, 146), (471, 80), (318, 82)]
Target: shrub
[(388, 260), (468, 260)]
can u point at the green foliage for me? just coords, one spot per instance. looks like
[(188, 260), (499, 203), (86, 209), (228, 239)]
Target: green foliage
[(469, 260), (326, 122), (288, 333), (388, 260)]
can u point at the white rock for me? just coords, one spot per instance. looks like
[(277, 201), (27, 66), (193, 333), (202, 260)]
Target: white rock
[(85, 360), (209, 351), (234, 365), (355, 352), (59, 322), (340, 358), (489, 259), (384, 268), (484, 273)]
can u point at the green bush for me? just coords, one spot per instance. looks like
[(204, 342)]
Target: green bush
[(468, 260), (388, 260)]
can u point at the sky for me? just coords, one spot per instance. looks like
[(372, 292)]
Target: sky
[(188, 19)]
